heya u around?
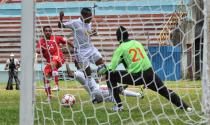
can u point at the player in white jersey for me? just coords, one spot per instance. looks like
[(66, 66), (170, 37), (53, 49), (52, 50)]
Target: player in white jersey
[(85, 52)]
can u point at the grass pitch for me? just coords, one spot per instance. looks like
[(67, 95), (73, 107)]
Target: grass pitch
[(151, 110)]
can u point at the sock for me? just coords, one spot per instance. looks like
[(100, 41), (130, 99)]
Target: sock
[(47, 87), (130, 93), (80, 77), (55, 75), (92, 83)]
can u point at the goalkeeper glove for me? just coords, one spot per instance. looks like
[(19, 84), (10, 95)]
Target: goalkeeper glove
[(101, 69)]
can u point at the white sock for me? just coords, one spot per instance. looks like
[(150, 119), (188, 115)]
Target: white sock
[(130, 93), (92, 83), (80, 77), (88, 83)]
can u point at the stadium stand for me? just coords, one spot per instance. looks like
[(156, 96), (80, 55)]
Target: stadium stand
[(146, 28)]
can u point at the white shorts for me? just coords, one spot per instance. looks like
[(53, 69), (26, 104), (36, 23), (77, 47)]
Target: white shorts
[(85, 56)]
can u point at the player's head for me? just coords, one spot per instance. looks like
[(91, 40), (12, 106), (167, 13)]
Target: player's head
[(122, 34), (12, 55), (47, 31), (86, 15)]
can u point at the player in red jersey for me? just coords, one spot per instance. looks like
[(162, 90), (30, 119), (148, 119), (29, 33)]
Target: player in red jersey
[(49, 47)]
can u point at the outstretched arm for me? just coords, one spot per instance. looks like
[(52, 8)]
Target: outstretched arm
[(60, 22)]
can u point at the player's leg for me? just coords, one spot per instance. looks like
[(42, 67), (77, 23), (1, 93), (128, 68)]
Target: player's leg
[(132, 93), (96, 57), (112, 79), (80, 77), (122, 91), (121, 76), (157, 85), (69, 71), (83, 61), (46, 78), (89, 79), (56, 63), (84, 58)]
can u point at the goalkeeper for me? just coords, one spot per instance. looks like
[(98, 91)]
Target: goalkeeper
[(138, 71)]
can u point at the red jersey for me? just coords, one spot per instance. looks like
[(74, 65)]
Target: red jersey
[(51, 47)]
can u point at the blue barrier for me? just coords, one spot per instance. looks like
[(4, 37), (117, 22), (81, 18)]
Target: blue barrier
[(166, 61)]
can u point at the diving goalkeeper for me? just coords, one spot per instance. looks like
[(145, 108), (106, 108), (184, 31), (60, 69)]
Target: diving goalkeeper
[(138, 71)]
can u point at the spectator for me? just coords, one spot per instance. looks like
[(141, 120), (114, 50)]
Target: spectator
[(12, 65)]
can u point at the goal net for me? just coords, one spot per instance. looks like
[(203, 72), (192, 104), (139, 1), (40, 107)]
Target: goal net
[(173, 35)]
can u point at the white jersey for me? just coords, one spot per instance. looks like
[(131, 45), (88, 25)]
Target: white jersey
[(85, 52), (81, 32)]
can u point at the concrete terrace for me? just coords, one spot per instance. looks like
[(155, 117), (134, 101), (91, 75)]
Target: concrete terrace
[(145, 19)]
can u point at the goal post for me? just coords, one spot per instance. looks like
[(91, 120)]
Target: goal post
[(27, 63), (206, 62), (153, 109)]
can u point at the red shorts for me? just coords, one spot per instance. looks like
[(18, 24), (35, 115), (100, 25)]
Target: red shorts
[(58, 61)]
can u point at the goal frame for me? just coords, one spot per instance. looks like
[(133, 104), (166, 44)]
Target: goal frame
[(206, 62), (27, 61)]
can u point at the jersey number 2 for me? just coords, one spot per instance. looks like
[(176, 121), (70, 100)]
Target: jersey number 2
[(136, 51)]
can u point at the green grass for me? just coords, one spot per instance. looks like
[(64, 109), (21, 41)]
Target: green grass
[(151, 110)]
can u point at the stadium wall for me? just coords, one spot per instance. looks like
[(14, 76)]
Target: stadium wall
[(115, 8), (103, 8)]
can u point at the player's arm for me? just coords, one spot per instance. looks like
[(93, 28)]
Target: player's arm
[(92, 32), (60, 22), (38, 47), (116, 59), (68, 24), (64, 41), (38, 50), (95, 21), (70, 43)]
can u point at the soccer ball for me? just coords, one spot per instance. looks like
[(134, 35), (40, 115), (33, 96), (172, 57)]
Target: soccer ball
[(68, 100)]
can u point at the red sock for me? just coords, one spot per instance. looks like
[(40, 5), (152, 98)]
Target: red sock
[(47, 88)]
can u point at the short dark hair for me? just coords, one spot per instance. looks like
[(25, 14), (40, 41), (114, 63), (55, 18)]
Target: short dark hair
[(122, 34), (86, 11), (46, 27)]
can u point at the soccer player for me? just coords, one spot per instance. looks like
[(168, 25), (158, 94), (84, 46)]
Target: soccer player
[(49, 47), (138, 71), (85, 52)]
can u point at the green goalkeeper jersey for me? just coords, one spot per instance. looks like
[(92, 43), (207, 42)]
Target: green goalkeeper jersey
[(132, 55)]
